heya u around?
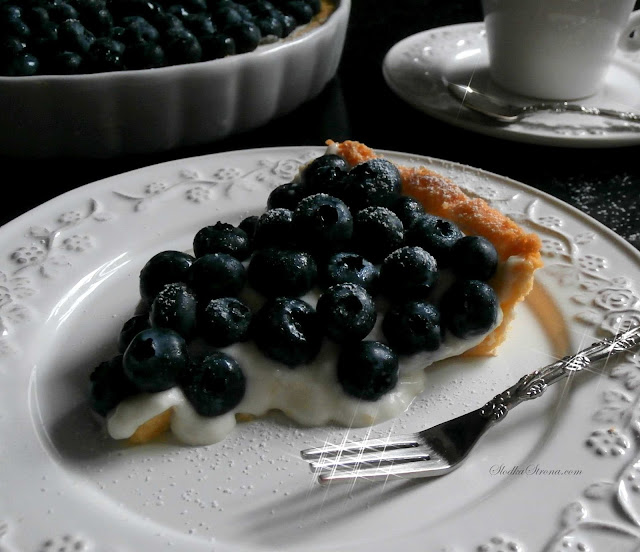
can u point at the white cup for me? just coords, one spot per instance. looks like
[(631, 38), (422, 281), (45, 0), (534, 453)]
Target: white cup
[(557, 49)]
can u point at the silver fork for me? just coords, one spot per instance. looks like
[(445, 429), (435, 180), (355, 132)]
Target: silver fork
[(442, 448)]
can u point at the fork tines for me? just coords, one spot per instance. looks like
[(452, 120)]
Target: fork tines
[(370, 459)]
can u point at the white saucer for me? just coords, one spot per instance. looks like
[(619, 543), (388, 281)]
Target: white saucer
[(417, 67)]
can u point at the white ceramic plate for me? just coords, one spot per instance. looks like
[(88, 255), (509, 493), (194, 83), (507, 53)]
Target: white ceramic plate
[(558, 472), (417, 67), (105, 115)]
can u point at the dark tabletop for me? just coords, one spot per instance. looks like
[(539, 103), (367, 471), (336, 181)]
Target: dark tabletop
[(357, 104)]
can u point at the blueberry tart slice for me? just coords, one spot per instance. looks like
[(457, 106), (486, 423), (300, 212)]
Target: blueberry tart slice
[(327, 306)]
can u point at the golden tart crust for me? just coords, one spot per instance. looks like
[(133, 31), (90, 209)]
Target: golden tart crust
[(442, 197)]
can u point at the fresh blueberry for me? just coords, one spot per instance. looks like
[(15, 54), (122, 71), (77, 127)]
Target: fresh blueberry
[(474, 258), (274, 272), (74, 36), (270, 25), (289, 24), (286, 195), (154, 358), (131, 328), (109, 385), (373, 182), (224, 321), (226, 15), (300, 10), (175, 308), (436, 235), (274, 229), (65, 63), (287, 330), (23, 64), (325, 174), (182, 47), (106, 54), (138, 29), (408, 209), (347, 313), (377, 231), (60, 11), (98, 21), (323, 223), (249, 224), (216, 275), (12, 21), (347, 267), (412, 326), (222, 237), (216, 46), (409, 272), (144, 55), (163, 268), (469, 308), (200, 24), (367, 369), (213, 385), (245, 34)]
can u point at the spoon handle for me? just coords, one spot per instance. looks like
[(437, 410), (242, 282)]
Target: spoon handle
[(559, 107)]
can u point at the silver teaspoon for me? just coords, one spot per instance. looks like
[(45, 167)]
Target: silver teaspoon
[(499, 110)]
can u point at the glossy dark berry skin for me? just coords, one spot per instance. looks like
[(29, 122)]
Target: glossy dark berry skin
[(408, 273), (274, 229), (109, 386), (224, 321), (408, 209), (323, 223), (222, 237), (154, 358), (163, 268), (347, 313), (367, 370), (373, 182), (216, 275), (287, 330), (412, 326), (245, 34), (436, 235), (325, 175), (249, 224), (131, 328), (175, 307), (377, 231), (469, 308), (213, 385), (286, 195), (74, 36), (182, 47), (346, 267), (474, 258), (274, 272)]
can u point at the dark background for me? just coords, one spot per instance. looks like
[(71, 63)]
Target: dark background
[(357, 104)]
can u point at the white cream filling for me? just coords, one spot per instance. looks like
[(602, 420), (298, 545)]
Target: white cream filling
[(309, 394)]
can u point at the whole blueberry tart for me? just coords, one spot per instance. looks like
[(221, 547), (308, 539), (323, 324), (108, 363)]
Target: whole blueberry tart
[(67, 37)]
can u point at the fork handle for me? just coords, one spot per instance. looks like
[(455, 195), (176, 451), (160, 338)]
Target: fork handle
[(535, 384)]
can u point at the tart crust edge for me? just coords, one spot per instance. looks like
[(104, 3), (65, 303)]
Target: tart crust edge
[(444, 198)]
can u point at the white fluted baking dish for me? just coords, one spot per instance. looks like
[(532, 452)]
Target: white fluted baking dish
[(151, 110)]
